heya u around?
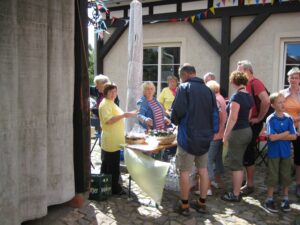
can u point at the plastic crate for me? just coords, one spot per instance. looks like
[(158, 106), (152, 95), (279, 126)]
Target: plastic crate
[(100, 187)]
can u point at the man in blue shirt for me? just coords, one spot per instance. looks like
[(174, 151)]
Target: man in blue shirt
[(280, 132)]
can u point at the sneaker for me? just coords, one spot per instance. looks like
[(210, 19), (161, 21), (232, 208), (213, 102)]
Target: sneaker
[(214, 184), (285, 206), (200, 208), (298, 190), (246, 190), (180, 210), (270, 206), (230, 197), (209, 192)]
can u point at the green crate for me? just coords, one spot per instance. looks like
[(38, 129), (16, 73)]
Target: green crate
[(100, 188)]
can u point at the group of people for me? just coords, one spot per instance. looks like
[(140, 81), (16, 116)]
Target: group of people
[(191, 107), (245, 114)]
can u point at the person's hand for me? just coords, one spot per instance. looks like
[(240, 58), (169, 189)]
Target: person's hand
[(225, 139), (130, 114), (167, 121), (149, 122), (254, 120)]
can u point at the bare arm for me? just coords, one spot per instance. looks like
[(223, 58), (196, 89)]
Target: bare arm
[(115, 119), (264, 107), (284, 136), (233, 114)]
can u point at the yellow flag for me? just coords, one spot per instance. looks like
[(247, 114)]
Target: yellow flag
[(193, 18), (212, 9), (249, 2), (272, 2)]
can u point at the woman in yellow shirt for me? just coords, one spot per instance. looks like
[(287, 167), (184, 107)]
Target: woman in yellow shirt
[(168, 94), (113, 128), (292, 107)]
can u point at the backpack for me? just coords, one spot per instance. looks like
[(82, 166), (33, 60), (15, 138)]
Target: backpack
[(257, 102)]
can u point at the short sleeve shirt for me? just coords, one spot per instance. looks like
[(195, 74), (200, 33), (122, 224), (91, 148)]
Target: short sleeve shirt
[(258, 87), (166, 98), (277, 125), (245, 101), (112, 134)]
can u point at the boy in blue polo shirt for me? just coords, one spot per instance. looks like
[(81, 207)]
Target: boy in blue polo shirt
[(280, 132)]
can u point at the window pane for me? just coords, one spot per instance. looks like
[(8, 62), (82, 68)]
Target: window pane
[(171, 55), (150, 73), (167, 71), (150, 55), (293, 54)]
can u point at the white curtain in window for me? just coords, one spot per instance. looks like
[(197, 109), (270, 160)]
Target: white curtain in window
[(36, 107)]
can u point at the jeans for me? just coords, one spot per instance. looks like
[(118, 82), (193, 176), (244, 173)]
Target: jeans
[(215, 161)]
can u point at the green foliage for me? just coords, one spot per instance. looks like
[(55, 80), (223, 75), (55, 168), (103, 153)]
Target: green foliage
[(91, 64)]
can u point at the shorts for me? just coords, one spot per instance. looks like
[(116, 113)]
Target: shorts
[(185, 161), (237, 145), (279, 172), (250, 153)]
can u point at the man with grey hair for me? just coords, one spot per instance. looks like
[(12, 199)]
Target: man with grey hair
[(192, 111), (258, 112), (209, 76)]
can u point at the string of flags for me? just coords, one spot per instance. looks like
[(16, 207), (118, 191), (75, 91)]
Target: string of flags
[(98, 8)]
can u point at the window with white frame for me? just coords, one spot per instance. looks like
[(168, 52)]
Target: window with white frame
[(291, 58), (159, 63)]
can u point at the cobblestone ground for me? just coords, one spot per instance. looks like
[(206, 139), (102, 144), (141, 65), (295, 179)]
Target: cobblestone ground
[(122, 210)]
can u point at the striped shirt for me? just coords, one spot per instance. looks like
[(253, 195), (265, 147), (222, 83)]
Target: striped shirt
[(158, 114)]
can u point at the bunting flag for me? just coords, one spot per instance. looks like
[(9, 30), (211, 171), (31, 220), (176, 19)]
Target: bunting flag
[(205, 13), (248, 2), (256, 2), (212, 9), (280, 1), (173, 20), (198, 16), (193, 19), (233, 2), (264, 2), (218, 4), (241, 2), (186, 19), (223, 1)]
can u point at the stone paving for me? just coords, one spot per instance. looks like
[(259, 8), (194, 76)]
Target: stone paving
[(122, 210)]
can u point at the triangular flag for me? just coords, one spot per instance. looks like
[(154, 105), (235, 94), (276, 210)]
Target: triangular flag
[(241, 2), (198, 16), (233, 2), (193, 19), (205, 13), (264, 2), (223, 1), (212, 9), (249, 2), (186, 19), (173, 20), (280, 1), (218, 4), (257, 2)]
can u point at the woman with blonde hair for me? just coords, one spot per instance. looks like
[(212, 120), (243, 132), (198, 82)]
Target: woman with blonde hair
[(168, 94), (151, 114)]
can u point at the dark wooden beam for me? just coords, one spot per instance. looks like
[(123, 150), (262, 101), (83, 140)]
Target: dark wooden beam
[(111, 41), (81, 116), (225, 57), (99, 59), (207, 36), (248, 31), (248, 10)]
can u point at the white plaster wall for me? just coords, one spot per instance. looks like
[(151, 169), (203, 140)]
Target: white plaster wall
[(261, 48), (195, 50)]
